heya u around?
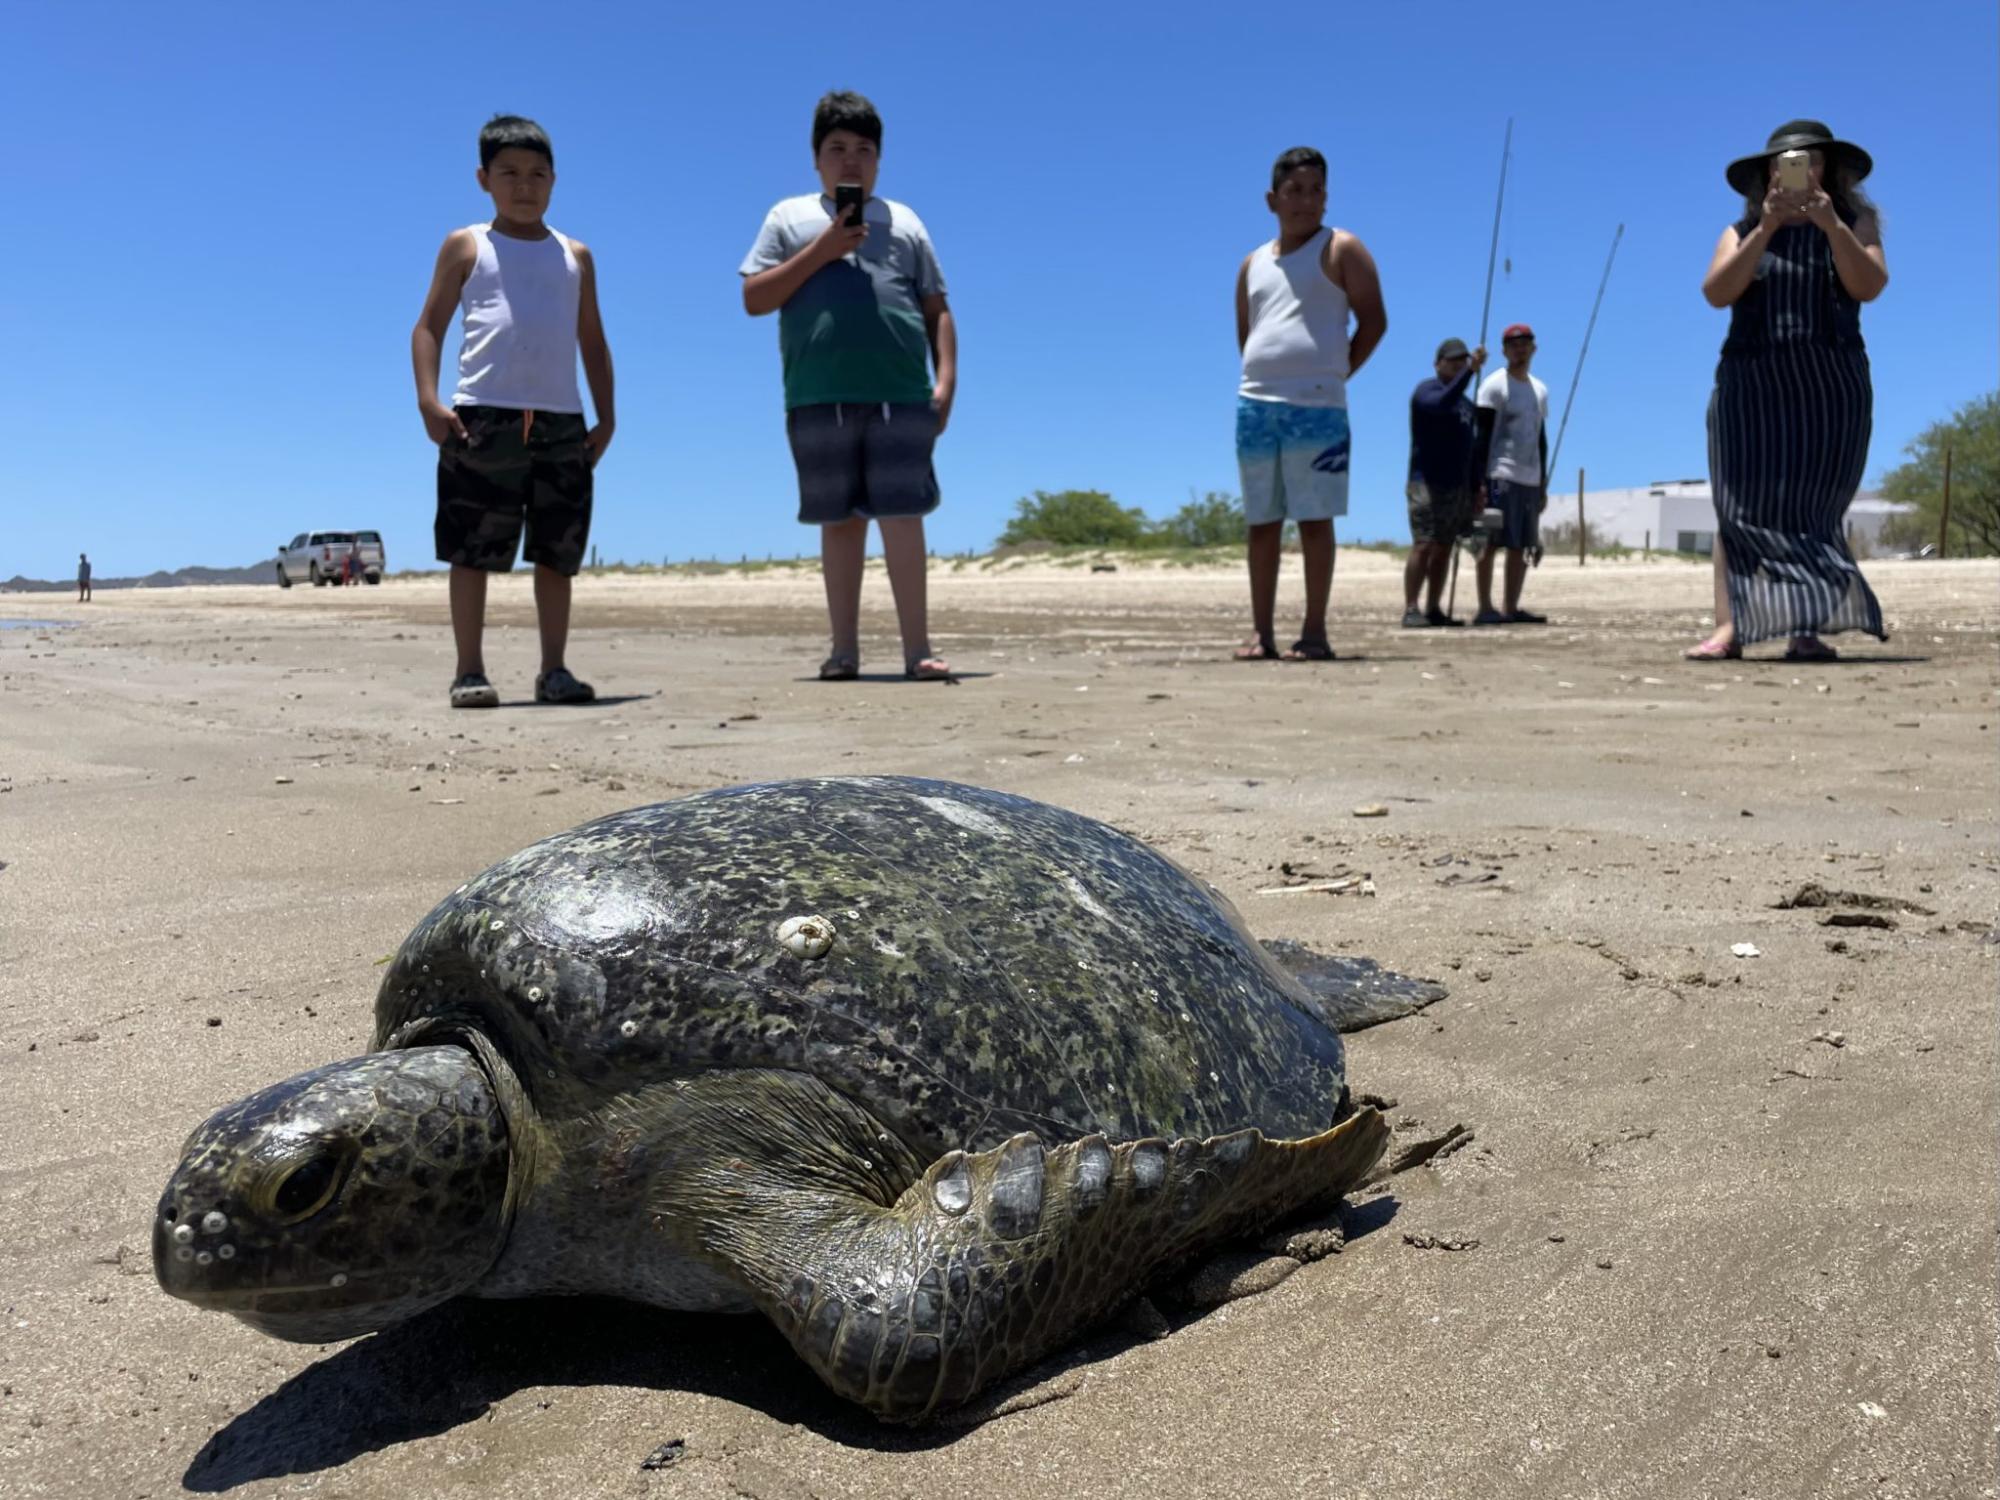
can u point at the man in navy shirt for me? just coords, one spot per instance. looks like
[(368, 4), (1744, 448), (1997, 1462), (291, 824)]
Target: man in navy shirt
[(1444, 495)]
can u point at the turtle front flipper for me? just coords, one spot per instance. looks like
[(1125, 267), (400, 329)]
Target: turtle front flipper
[(990, 1260)]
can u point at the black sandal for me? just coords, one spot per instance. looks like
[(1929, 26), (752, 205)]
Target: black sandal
[(1309, 650)]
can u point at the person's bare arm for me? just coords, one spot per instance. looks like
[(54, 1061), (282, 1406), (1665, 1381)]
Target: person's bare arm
[(1734, 265), (456, 258), (767, 291), (596, 352), (1350, 267), (1857, 251), (1243, 303), (942, 330)]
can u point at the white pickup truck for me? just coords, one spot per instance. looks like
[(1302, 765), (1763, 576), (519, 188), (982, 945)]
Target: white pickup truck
[(320, 557)]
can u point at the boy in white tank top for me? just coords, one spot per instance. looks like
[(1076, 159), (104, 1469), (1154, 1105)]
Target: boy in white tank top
[(513, 448), (1294, 298)]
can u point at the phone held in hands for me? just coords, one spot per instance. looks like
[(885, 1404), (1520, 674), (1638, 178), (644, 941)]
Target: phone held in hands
[(1794, 171), (848, 199)]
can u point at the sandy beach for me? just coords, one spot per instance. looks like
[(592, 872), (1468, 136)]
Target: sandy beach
[(1729, 1222)]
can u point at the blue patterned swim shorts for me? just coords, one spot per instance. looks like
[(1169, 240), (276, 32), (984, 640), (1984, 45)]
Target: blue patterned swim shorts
[(1293, 461)]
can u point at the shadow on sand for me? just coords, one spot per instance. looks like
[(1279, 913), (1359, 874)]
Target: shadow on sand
[(1845, 659), (606, 700), (450, 1366), (953, 680)]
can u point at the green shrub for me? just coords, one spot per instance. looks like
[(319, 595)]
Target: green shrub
[(1091, 518), (1074, 518), (1214, 520)]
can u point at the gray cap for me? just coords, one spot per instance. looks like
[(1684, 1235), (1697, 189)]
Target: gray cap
[(1452, 349)]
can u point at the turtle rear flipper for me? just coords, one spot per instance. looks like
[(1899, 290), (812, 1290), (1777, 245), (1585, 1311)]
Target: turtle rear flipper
[(990, 1260), (1353, 993)]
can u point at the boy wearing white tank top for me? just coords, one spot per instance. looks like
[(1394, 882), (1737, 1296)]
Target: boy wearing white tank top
[(1294, 299), (514, 450)]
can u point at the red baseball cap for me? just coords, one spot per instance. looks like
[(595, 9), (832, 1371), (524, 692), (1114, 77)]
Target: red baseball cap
[(1516, 331)]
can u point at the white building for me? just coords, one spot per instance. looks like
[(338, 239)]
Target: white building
[(1678, 515)]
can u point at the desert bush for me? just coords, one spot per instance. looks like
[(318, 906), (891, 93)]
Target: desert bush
[(1074, 518), (1091, 518)]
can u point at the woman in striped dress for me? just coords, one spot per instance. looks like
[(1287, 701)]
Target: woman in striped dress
[(1788, 424)]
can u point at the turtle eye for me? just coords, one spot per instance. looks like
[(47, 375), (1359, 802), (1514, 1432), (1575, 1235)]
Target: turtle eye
[(308, 1187)]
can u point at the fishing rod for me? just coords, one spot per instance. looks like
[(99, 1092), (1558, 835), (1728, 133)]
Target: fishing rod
[(1549, 472), (1485, 309), (1603, 282), (1493, 250)]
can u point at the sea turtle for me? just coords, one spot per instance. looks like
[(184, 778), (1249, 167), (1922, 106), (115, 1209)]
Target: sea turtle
[(930, 1075)]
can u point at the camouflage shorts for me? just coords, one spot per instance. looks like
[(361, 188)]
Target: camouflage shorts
[(1440, 515), (514, 467)]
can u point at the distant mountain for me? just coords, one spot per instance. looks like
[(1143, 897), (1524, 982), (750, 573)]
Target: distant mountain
[(257, 572)]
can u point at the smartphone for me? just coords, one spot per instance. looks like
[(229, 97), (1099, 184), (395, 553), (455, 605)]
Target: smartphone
[(1794, 171), (846, 196)]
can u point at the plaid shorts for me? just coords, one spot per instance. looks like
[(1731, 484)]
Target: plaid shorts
[(864, 460), (1438, 515), (515, 468)]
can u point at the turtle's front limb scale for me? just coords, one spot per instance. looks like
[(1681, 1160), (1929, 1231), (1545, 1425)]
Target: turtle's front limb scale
[(989, 1261)]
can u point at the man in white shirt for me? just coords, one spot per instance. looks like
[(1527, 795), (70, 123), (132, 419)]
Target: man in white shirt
[(1512, 452)]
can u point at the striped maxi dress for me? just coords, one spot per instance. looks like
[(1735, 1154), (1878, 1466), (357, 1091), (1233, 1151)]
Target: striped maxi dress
[(1788, 429)]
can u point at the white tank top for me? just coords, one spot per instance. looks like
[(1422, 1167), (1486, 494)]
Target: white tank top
[(519, 322), (1297, 348)]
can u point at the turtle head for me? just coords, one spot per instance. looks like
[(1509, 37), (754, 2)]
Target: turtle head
[(342, 1200)]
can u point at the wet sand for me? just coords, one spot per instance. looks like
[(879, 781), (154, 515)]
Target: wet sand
[(1735, 1216)]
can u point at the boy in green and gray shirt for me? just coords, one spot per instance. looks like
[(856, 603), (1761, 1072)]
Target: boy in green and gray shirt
[(862, 321)]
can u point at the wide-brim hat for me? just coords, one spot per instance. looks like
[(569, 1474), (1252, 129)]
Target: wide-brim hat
[(1798, 135)]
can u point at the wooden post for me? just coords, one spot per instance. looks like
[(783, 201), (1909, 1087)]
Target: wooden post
[(1581, 530), (1647, 556), (1944, 521)]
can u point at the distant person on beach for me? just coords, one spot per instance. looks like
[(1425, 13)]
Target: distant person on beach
[(513, 447), (83, 578), (1295, 296), (1512, 454), (862, 325), (1794, 403), (1444, 493), (350, 565)]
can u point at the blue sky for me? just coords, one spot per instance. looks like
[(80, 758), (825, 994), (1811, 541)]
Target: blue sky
[(224, 218)]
